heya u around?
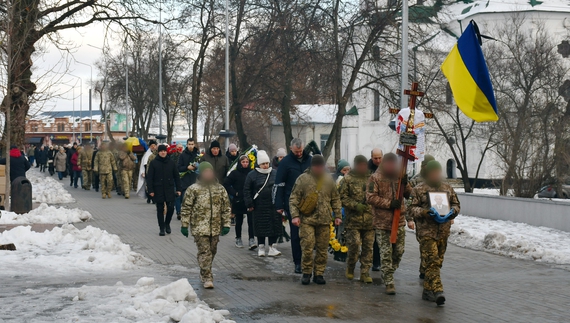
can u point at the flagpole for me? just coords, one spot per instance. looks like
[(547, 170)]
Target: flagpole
[(227, 80), (404, 85)]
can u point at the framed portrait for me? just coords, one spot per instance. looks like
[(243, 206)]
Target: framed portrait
[(440, 202)]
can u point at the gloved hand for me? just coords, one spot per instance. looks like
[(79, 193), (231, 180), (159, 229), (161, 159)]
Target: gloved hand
[(360, 208), (184, 231), (225, 230), (395, 204), (450, 214), (433, 213), (442, 219)]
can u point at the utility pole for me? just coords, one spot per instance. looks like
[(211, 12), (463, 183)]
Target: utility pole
[(9, 45), (160, 136), (127, 117), (404, 85)]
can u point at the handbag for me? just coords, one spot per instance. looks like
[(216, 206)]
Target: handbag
[(262, 187), (309, 203)]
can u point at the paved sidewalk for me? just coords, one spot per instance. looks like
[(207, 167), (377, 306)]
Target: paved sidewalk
[(480, 287)]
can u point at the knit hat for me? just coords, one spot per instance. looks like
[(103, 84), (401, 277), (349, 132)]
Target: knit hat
[(341, 164), (162, 148), (262, 157), (318, 160), (427, 159), (215, 144), (203, 166), (432, 166), (151, 142), (281, 152), (359, 159), (232, 147)]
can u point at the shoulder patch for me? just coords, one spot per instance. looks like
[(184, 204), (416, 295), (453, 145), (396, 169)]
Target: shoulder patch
[(371, 187)]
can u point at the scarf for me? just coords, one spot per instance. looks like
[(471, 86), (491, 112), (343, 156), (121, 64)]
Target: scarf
[(264, 171)]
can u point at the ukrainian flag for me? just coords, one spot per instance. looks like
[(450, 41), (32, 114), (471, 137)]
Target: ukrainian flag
[(469, 79)]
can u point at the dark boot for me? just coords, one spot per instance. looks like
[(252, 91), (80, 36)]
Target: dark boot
[(306, 280), (427, 295), (162, 234), (319, 280), (298, 269), (422, 276), (439, 298), (167, 228)]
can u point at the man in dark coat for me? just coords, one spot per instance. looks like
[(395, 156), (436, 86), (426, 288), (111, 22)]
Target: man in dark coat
[(218, 160), (291, 167), (187, 166), (234, 184), (373, 163), (41, 158), (162, 180), (19, 165)]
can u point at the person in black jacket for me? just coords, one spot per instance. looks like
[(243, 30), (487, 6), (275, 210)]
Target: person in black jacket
[(163, 180), (234, 184), (258, 195), (70, 153), (41, 158), (232, 153), (290, 168), (51, 159), (19, 164), (95, 175), (187, 166)]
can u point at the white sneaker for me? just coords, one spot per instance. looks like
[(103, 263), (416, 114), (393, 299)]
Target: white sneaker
[(261, 250), (273, 252)]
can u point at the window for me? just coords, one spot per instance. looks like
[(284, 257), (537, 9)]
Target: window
[(376, 106), (87, 126), (35, 128), (60, 127), (324, 139)]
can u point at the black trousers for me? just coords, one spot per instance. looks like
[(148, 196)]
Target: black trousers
[(239, 225), (295, 240), (270, 240), (163, 220)]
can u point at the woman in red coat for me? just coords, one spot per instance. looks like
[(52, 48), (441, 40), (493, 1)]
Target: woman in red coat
[(77, 174)]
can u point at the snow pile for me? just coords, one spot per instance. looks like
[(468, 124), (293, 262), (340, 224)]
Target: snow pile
[(515, 240), (45, 189), (46, 214), (66, 249)]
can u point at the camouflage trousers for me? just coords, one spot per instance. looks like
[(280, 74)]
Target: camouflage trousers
[(106, 181), (422, 259), (87, 177), (360, 244), (390, 254), (126, 179), (314, 237), (207, 247), (433, 251)]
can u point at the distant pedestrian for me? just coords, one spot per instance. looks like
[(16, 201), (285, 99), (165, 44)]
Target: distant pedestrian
[(382, 195), (60, 163), (206, 210), (19, 165), (313, 198), (281, 153), (52, 152), (127, 161), (258, 195), (95, 174), (70, 151), (141, 184), (86, 162), (32, 155), (290, 168), (105, 165), (76, 167), (41, 158), (163, 182), (219, 161), (187, 168), (232, 154), (234, 184), (434, 228)]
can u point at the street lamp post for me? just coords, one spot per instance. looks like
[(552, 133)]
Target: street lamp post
[(80, 108), (160, 136), (90, 106)]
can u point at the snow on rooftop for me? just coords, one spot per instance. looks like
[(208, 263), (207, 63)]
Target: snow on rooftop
[(315, 113), (462, 10)]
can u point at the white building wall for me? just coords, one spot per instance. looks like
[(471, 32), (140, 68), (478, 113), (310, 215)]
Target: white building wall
[(306, 132)]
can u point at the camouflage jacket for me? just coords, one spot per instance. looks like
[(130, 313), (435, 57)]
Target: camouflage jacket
[(381, 192), (206, 209), (328, 201), (85, 159), (105, 162), (126, 160), (352, 193), (416, 180), (151, 158), (420, 203)]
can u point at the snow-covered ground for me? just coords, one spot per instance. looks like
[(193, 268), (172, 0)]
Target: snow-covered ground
[(515, 240), (46, 189), (46, 214)]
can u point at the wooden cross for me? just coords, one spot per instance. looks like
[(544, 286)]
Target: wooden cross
[(406, 155)]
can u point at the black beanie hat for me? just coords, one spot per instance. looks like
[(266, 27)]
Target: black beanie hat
[(162, 148), (151, 142), (215, 144), (318, 160)]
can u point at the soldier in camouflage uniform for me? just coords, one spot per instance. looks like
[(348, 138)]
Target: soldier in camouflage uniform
[(85, 162), (105, 165), (314, 228), (206, 209), (434, 228), (382, 195), (126, 165), (415, 181), (358, 219)]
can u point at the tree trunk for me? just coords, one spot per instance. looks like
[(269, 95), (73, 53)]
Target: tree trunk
[(239, 127), (286, 109)]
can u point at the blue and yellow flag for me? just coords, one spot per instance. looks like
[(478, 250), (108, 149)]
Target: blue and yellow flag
[(469, 79)]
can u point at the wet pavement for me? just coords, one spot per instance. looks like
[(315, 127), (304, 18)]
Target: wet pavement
[(480, 287)]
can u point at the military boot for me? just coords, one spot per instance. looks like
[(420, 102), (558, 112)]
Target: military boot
[(306, 280), (365, 278), (319, 280), (439, 298), (350, 273), (390, 289), (427, 295)]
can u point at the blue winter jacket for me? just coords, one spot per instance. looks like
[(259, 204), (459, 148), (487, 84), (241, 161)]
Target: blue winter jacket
[(289, 169)]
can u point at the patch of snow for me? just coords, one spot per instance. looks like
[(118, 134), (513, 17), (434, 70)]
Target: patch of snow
[(46, 214), (46, 189), (66, 249), (511, 239)]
